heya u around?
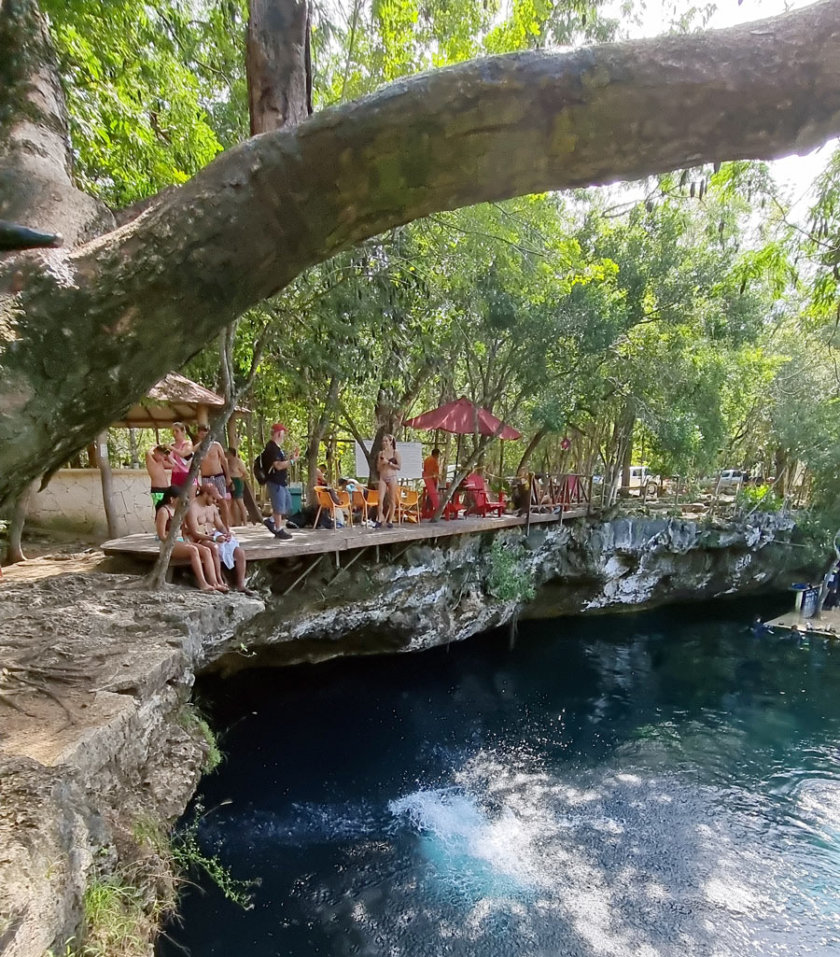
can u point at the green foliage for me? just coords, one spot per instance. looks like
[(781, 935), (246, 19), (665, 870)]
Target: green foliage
[(191, 719), (692, 326), (116, 922), (509, 578), (188, 857), (760, 498), (147, 88)]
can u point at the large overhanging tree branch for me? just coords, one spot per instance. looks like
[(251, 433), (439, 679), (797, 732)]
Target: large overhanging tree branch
[(83, 332)]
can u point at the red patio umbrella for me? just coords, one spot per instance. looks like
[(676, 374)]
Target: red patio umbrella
[(460, 417)]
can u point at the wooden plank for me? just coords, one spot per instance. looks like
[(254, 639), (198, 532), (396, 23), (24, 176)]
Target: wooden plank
[(259, 545)]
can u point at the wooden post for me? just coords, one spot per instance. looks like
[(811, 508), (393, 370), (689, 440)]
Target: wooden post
[(107, 483)]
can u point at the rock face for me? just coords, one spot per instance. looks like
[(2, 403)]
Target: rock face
[(433, 594), (97, 742), (95, 745)]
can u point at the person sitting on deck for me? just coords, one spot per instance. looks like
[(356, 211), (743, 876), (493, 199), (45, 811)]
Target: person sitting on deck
[(214, 469), (205, 526), (431, 478), (159, 467), (200, 558), (238, 473)]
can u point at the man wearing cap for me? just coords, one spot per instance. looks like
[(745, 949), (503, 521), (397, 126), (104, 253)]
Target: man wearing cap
[(214, 469), (276, 465)]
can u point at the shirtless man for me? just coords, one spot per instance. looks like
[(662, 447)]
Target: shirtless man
[(159, 467), (205, 526), (238, 473), (214, 469)]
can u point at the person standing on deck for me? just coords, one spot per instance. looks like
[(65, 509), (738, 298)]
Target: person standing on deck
[(276, 466), (238, 473), (214, 469), (388, 465), (159, 467), (431, 477)]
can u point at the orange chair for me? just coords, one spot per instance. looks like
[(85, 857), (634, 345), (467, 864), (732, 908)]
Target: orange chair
[(332, 500), (408, 505), (358, 501)]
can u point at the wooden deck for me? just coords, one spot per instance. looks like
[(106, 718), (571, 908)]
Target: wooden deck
[(826, 624), (260, 545)]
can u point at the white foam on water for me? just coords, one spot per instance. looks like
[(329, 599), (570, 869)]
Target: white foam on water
[(482, 852)]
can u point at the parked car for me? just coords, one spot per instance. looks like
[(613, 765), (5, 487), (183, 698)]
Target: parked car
[(644, 480), (730, 480)]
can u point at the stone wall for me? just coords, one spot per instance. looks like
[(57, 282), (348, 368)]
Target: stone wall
[(73, 501)]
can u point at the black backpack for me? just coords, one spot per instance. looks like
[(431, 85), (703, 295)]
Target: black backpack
[(260, 473)]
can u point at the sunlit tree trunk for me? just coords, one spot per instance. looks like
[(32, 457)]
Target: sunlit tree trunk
[(278, 63)]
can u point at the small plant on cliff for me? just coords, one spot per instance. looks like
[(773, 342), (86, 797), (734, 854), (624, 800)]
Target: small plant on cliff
[(509, 578), (117, 921), (192, 720), (188, 856)]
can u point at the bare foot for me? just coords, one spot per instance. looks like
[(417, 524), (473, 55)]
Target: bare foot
[(222, 588), (206, 588)]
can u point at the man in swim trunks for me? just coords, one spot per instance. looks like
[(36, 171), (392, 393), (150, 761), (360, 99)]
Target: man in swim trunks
[(214, 469), (159, 467), (238, 473), (206, 526)]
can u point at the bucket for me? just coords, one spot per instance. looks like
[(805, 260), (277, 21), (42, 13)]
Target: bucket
[(296, 491)]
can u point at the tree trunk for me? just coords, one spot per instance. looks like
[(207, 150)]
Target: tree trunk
[(535, 441), (80, 330), (36, 186), (14, 547), (278, 64), (316, 433), (107, 479)]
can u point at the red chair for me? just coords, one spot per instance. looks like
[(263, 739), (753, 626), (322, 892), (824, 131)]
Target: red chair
[(481, 504)]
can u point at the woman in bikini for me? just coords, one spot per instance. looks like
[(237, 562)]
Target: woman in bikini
[(200, 558), (388, 464)]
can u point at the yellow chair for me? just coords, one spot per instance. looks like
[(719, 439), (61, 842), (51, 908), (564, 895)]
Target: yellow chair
[(408, 505), (329, 499)]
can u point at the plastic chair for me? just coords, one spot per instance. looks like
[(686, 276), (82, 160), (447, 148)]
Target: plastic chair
[(408, 505), (481, 504), (332, 500), (358, 501)]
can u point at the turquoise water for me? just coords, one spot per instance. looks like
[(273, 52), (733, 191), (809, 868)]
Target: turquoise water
[(655, 784)]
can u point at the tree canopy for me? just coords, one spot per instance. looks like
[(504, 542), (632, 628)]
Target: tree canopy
[(548, 308)]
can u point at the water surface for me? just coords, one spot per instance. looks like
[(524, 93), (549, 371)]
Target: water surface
[(654, 784)]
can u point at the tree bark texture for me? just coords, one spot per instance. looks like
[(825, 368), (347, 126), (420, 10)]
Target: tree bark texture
[(36, 185), (84, 332), (278, 64)]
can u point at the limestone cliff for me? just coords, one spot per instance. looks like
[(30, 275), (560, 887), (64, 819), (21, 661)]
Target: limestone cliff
[(433, 594)]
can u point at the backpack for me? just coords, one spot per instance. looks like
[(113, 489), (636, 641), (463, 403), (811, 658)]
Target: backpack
[(259, 472)]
